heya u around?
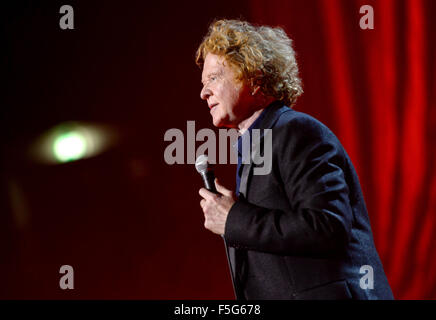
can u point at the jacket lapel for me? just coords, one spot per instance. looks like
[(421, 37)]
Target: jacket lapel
[(235, 256)]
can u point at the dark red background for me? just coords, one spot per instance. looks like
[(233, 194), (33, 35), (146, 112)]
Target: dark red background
[(131, 225)]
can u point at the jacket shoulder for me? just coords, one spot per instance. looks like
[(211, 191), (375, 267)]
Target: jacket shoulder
[(299, 124)]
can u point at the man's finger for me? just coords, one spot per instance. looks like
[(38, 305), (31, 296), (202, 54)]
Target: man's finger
[(206, 194), (221, 189)]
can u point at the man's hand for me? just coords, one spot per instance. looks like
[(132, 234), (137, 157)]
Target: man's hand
[(216, 207)]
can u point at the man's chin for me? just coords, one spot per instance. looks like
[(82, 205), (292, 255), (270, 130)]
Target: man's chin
[(217, 123), (221, 123)]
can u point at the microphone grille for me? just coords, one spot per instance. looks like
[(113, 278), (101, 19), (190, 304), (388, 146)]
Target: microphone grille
[(201, 163)]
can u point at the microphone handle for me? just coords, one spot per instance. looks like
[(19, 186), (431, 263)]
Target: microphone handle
[(209, 180)]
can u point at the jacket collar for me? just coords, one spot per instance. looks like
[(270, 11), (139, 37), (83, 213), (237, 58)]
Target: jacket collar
[(272, 114), (266, 120)]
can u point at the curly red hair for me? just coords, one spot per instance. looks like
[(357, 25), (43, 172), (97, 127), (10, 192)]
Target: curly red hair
[(260, 55)]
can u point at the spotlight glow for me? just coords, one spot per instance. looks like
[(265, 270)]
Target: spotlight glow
[(71, 141), (69, 146)]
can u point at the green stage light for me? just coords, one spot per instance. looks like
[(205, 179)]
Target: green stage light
[(69, 146), (71, 141)]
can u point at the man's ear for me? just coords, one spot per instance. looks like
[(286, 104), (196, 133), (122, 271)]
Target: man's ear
[(256, 83), (255, 90)]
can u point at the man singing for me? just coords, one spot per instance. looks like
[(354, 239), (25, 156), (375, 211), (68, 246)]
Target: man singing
[(302, 230)]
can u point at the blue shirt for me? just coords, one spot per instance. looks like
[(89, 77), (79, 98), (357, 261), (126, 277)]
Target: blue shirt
[(238, 147)]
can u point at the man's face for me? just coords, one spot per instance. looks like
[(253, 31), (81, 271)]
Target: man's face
[(230, 101)]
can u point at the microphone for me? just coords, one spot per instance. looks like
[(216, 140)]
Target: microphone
[(206, 171)]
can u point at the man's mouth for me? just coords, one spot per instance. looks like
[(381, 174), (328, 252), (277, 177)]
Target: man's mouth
[(213, 105)]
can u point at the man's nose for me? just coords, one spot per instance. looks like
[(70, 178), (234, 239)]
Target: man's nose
[(205, 93)]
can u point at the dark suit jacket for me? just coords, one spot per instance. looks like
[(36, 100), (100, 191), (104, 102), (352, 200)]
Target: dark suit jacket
[(302, 231)]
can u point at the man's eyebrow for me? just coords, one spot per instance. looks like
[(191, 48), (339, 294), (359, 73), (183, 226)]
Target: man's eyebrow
[(215, 73)]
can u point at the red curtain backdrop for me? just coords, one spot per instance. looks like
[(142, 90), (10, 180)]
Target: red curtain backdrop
[(376, 90)]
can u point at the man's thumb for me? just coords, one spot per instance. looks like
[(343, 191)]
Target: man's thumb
[(221, 189)]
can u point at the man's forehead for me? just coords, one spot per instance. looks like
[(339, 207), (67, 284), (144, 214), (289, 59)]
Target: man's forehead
[(213, 59), (213, 64)]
